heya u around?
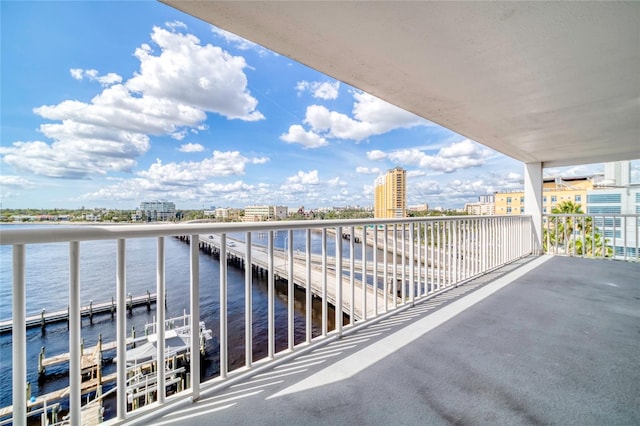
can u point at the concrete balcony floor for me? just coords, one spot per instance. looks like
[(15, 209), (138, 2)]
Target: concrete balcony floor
[(548, 340)]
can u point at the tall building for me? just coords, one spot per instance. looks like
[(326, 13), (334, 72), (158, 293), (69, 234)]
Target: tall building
[(390, 194)]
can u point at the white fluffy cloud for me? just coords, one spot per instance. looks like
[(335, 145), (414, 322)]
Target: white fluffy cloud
[(457, 156), (172, 92), (336, 181), (105, 80), (319, 89), (297, 134), (10, 186), (309, 178), (189, 73), (376, 154), (371, 116), (191, 147), (16, 182), (367, 170), (189, 180), (190, 172)]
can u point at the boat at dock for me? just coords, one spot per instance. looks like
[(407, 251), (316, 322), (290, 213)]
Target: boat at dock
[(141, 372)]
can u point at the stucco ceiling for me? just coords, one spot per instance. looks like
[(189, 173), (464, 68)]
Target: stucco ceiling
[(550, 82)]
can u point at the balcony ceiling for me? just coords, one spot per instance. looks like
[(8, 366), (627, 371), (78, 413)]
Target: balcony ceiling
[(550, 82)]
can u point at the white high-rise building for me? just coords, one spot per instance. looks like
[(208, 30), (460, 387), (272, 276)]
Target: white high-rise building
[(158, 210)]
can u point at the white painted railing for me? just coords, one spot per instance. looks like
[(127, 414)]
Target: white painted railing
[(416, 258), (610, 236)]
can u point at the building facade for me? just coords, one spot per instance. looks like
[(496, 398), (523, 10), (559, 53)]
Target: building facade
[(158, 210), (264, 213), (615, 197), (554, 191), (480, 209), (390, 194)]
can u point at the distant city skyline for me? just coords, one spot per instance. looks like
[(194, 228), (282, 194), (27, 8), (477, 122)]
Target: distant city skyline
[(107, 105)]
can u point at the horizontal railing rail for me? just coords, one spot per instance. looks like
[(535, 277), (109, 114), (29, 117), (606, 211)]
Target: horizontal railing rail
[(603, 236), (395, 262)]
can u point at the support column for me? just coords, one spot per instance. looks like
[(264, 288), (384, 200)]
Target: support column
[(533, 201)]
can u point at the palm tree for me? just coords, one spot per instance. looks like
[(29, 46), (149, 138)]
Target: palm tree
[(592, 246), (576, 233)]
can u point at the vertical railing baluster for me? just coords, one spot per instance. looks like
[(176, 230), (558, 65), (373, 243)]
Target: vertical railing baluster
[(195, 314), (224, 364), (19, 336), (484, 245), (603, 239), (418, 261), (475, 247), (454, 249), (395, 266), (338, 307), (290, 292), (495, 227), (121, 329), (432, 258), (325, 306), (426, 258), (624, 233), (450, 259), (637, 228), (352, 275), (248, 303), (308, 293), (270, 296), (438, 254), (75, 346), (461, 249), (613, 235), (160, 315), (412, 260), (491, 244), (403, 253), (385, 275), (374, 287), (363, 300)]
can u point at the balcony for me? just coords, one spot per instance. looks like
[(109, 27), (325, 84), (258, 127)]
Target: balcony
[(462, 324)]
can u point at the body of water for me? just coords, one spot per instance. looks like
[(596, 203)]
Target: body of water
[(47, 287)]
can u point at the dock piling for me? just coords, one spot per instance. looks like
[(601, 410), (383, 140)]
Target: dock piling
[(41, 369)]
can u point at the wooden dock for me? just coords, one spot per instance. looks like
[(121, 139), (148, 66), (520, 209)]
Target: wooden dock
[(60, 394), (88, 311)]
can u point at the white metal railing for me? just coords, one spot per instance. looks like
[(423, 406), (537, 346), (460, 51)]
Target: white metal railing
[(414, 259), (604, 236)]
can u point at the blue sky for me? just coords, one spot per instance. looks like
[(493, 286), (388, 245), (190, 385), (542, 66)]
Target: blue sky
[(108, 105)]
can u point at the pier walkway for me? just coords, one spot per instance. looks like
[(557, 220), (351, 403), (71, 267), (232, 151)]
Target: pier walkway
[(259, 258)]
